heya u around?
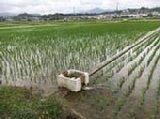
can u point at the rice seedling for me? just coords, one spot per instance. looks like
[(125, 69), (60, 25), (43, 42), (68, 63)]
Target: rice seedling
[(119, 106), (152, 70), (142, 96), (144, 90), (52, 53), (121, 82), (140, 71), (131, 68), (130, 88), (119, 66), (157, 100), (33, 57), (153, 53)]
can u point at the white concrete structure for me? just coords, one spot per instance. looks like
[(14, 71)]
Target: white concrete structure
[(74, 80)]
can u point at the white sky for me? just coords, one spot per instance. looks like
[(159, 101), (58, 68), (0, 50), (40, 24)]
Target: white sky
[(68, 6)]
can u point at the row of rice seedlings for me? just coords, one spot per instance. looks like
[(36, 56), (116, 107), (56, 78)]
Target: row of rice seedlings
[(101, 77), (145, 43), (140, 72), (133, 66), (115, 66), (107, 72), (157, 101), (133, 55), (142, 96), (119, 66), (122, 101), (130, 88), (139, 67), (121, 82), (151, 42), (138, 51), (144, 90), (154, 52), (130, 56), (136, 77), (152, 71)]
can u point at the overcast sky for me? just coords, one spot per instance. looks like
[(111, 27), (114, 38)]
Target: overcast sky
[(68, 6)]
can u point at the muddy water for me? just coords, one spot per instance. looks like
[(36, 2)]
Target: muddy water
[(93, 104), (43, 87)]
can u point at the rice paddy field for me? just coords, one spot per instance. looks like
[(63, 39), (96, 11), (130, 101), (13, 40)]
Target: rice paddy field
[(32, 55)]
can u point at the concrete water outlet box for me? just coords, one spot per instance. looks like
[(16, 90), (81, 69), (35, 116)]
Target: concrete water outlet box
[(73, 80)]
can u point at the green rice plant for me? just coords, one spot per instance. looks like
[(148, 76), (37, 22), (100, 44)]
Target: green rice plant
[(142, 96), (130, 88), (132, 68), (119, 105), (140, 72), (153, 54), (121, 82), (119, 66), (152, 70), (136, 77), (144, 90), (157, 100), (40, 53)]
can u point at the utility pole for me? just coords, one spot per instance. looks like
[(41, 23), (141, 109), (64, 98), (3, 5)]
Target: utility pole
[(74, 10), (117, 6)]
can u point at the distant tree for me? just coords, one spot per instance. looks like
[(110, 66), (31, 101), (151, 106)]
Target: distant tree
[(2, 19)]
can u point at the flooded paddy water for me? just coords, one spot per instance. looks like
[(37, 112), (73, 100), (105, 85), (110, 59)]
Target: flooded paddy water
[(130, 83), (131, 92)]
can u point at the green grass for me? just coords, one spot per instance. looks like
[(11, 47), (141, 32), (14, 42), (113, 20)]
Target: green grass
[(17, 103)]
